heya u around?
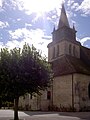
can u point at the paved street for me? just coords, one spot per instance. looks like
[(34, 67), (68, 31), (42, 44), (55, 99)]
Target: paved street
[(26, 115)]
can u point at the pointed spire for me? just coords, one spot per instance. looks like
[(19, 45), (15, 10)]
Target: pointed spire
[(54, 29), (63, 18), (74, 28)]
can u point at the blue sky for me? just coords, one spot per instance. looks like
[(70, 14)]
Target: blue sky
[(32, 21)]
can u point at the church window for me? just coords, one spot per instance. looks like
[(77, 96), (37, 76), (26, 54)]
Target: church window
[(74, 50), (53, 53), (70, 49), (48, 95), (57, 50), (89, 90)]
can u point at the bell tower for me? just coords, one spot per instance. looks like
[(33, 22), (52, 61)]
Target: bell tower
[(63, 40)]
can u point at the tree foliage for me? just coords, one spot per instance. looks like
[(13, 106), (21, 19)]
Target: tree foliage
[(23, 71)]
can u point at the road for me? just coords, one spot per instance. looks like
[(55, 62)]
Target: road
[(27, 115)]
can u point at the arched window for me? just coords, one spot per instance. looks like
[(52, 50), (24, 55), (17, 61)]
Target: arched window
[(89, 90), (53, 53), (74, 50), (57, 50), (70, 49)]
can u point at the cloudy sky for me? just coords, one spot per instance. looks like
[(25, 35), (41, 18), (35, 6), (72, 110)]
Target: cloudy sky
[(32, 21)]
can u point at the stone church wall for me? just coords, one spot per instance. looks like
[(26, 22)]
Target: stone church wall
[(81, 97), (64, 96), (37, 102), (63, 48), (62, 91)]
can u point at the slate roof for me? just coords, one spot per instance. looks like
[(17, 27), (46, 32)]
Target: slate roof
[(68, 64), (85, 55)]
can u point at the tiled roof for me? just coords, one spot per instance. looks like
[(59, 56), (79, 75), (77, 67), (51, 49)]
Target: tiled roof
[(85, 55), (68, 65)]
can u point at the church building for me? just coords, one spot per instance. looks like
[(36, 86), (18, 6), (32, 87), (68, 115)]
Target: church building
[(71, 67)]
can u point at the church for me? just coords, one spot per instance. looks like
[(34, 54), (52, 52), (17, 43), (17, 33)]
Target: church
[(70, 62)]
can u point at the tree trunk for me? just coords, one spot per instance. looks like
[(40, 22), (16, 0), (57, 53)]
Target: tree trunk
[(16, 109)]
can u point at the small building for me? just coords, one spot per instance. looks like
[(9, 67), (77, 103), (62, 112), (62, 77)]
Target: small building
[(71, 66)]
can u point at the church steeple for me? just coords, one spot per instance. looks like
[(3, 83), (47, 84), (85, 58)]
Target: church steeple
[(64, 32), (63, 18), (63, 40)]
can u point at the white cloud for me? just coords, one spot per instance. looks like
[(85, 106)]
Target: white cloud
[(14, 4), (35, 37), (18, 19), (70, 2), (28, 25), (3, 24), (1, 45), (19, 33), (40, 6), (84, 7), (12, 44), (75, 6), (83, 40), (1, 1)]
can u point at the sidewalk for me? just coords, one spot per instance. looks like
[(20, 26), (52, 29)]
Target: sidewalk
[(82, 115), (27, 115)]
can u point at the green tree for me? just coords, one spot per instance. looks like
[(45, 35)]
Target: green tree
[(23, 71)]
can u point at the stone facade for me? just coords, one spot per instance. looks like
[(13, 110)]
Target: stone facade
[(81, 91), (71, 91), (62, 91), (37, 102), (58, 49), (67, 91)]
